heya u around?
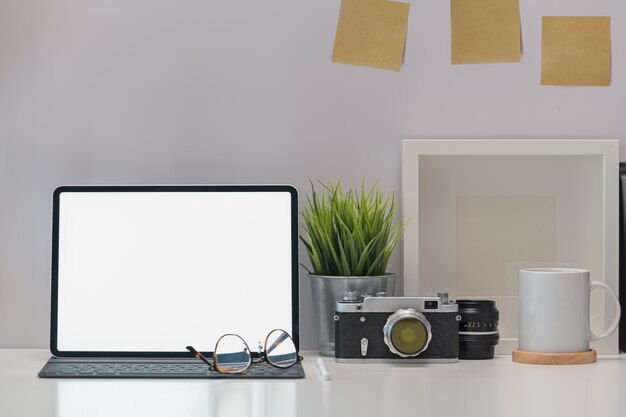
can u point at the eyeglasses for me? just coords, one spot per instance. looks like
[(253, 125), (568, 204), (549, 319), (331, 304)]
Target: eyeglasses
[(232, 354)]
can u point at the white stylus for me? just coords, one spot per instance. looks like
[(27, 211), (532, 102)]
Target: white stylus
[(323, 370)]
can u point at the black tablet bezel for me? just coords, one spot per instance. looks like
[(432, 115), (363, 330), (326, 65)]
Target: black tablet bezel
[(295, 305)]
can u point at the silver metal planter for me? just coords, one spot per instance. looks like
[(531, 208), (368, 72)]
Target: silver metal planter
[(326, 292)]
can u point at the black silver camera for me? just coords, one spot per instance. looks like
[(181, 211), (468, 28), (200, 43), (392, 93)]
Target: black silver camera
[(413, 329)]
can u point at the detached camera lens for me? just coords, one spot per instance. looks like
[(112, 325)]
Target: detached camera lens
[(478, 329), (407, 333)]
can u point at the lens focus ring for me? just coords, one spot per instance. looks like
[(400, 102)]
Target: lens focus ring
[(407, 333)]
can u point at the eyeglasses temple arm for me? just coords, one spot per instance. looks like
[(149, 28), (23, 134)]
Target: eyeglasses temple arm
[(200, 356), (284, 336)]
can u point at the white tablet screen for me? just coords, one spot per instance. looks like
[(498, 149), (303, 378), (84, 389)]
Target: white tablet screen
[(157, 271)]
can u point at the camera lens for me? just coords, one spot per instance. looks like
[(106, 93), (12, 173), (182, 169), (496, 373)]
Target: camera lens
[(409, 336), (478, 329), (407, 333)]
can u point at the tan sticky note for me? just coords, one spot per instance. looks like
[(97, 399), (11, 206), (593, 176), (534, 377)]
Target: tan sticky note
[(485, 31), (371, 33), (576, 50)]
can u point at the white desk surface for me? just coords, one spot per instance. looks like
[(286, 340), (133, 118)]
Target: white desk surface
[(497, 387)]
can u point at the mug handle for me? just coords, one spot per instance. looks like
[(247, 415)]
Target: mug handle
[(592, 336)]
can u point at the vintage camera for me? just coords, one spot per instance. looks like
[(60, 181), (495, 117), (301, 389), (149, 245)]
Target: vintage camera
[(406, 329)]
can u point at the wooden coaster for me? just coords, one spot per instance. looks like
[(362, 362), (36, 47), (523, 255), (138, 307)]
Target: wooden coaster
[(538, 358)]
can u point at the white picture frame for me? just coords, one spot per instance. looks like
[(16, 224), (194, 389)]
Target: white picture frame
[(450, 186)]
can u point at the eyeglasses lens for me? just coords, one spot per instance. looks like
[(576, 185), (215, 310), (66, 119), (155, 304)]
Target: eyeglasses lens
[(280, 350), (232, 355)]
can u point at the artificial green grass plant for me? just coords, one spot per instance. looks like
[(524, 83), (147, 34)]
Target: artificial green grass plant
[(347, 233)]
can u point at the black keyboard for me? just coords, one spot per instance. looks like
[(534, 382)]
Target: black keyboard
[(159, 368)]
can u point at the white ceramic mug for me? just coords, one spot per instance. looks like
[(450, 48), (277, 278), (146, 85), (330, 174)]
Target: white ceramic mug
[(554, 310)]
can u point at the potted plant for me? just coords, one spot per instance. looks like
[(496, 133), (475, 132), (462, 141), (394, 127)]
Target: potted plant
[(349, 237)]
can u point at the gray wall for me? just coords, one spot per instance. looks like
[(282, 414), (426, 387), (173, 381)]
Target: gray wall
[(190, 91)]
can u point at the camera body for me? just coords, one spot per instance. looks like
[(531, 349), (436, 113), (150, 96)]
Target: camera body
[(396, 329)]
